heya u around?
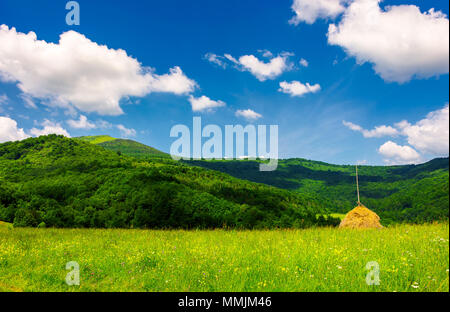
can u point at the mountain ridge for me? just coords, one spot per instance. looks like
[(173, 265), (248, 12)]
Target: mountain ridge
[(63, 182), (388, 190)]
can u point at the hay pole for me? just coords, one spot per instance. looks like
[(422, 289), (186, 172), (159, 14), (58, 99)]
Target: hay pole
[(357, 184)]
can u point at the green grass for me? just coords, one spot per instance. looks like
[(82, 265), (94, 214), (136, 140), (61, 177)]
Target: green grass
[(96, 139), (5, 224), (125, 146), (133, 149), (321, 259)]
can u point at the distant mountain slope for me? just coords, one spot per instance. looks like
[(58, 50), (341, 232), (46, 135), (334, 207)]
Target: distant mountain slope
[(96, 139), (72, 183), (124, 146), (391, 191), (409, 193)]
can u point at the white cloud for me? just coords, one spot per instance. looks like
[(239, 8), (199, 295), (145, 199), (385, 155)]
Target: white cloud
[(230, 58), (304, 62), (81, 123), (309, 11), (126, 132), (102, 124), (204, 103), (215, 59), (248, 114), (400, 41), (49, 127), (397, 155), (9, 130), (28, 100), (431, 134), (266, 53), (79, 72), (296, 88), (260, 69), (174, 82), (3, 99), (377, 132)]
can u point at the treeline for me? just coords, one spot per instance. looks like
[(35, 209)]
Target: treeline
[(59, 182)]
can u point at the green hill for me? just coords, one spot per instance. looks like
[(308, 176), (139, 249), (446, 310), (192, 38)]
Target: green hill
[(100, 181), (412, 193), (125, 146), (72, 183), (97, 139)]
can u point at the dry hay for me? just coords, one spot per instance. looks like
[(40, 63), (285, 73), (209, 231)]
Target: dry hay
[(361, 217)]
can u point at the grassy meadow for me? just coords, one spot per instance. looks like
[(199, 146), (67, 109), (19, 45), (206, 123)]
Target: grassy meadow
[(410, 258)]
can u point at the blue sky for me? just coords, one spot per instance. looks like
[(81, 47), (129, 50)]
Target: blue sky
[(163, 35)]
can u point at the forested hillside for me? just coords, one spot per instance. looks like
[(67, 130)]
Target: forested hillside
[(413, 193), (410, 193), (61, 182)]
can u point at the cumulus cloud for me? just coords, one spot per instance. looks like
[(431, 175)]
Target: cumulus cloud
[(77, 72), (248, 114), (400, 41), (49, 127), (174, 82), (274, 67), (429, 135), (308, 11), (126, 132), (204, 103), (398, 155), (377, 132), (81, 123), (9, 130), (266, 70), (296, 88)]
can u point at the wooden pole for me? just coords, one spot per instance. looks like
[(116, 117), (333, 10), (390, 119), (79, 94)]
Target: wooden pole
[(357, 185)]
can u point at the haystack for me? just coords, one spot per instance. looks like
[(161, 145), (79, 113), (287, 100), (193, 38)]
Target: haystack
[(361, 218)]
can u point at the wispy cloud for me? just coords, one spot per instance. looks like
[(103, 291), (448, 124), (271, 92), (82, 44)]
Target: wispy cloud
[(126, 132), (261, 69)]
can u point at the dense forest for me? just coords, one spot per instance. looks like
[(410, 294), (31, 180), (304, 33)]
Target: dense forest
[(101, 181), (410, 193), (61, 182)]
